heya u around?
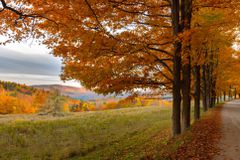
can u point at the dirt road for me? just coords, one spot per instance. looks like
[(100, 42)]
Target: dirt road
[(230, 142)]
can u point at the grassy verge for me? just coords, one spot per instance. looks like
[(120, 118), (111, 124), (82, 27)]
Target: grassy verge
[(132, 133), (111, 134)]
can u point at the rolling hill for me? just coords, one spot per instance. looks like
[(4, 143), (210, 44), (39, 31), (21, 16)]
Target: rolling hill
[(76, 93)]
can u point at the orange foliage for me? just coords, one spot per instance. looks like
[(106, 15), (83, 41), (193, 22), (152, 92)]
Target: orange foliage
[(16, 99), (80, 106), (9, 104), (110, 105), (133, 101)]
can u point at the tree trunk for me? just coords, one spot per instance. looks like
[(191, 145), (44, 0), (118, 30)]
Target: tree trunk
[(186, 108), (176, 113), (229, 93), (186, 15), (204, 88), (197, 92), (224, 96), (208, 86), (177, 95), (213, 90), (235, 93)]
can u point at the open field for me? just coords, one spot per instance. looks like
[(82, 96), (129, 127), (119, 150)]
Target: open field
[(111, 134)]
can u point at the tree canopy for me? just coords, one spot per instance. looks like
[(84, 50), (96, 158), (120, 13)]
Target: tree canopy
[(116, 46)]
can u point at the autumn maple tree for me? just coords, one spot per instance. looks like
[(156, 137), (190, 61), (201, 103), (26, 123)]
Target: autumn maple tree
[(117, 46)]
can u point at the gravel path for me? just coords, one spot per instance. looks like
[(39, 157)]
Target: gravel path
[(230, 142)]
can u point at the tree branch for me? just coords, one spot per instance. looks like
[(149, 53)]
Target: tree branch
[(22, 15)]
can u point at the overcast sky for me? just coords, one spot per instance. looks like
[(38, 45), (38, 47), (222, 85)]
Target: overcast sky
[(30, 64)]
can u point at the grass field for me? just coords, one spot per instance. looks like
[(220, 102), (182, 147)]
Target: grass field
[(112, 134)]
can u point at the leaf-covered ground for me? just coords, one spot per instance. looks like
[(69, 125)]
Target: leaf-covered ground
[(201, 143)]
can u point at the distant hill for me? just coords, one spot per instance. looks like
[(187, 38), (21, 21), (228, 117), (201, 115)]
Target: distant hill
[(18, 88), (74, 92)]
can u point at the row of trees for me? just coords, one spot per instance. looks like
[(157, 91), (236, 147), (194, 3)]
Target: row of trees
[(117, 46)]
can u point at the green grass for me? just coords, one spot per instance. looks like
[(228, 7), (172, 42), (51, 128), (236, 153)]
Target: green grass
[(111, 134), (131, 133)]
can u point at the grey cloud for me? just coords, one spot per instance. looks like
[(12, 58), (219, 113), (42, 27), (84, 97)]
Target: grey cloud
[(20, 63)]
